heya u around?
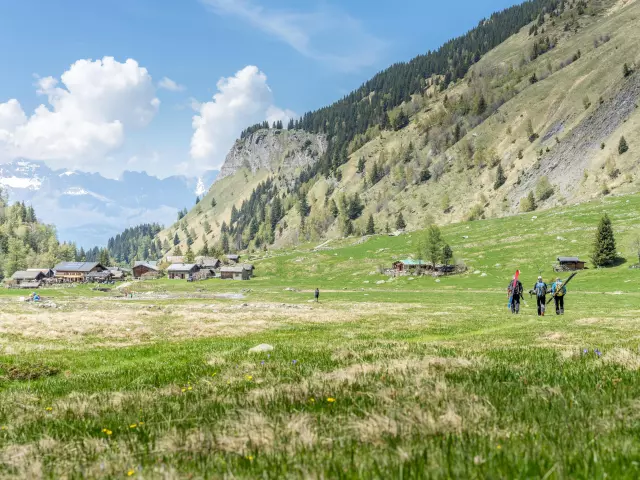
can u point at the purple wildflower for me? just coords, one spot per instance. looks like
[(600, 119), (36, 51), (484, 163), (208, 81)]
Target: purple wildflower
[(585, 351), (294, 361), (262, 362), (597, 352)]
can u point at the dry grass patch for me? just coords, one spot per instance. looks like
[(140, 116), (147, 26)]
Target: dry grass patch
[(623, 357)]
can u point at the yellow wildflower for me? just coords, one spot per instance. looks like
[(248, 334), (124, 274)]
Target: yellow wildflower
[(184, 390), (189, 388), (499, 447), (248, 377), (48, 409), (130, 473), (133, 425), (331, 399), (3, 427), (140, 424), (250, 458), (312, 400)]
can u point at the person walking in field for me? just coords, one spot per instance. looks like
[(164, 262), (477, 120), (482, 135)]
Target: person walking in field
[(558, 290), (540, 291), (317, 295), (514, 293)]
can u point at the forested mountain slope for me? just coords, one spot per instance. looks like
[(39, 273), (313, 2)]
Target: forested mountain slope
[(27, 243), (534, 108)]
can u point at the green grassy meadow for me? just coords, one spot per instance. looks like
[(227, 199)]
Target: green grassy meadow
[(410, 378)]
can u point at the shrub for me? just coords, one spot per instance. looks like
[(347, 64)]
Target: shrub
[(544, 189), (528, 203)]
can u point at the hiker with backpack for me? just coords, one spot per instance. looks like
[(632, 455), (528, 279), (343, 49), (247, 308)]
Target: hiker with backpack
[(558, 290), (515, 294), (317, 295), (540, 291)]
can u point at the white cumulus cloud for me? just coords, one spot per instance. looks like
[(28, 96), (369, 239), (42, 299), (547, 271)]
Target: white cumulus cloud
[(167, 84), (242, 100), (88, 110)]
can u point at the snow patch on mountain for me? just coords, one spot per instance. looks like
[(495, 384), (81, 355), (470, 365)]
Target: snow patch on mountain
[(200, 188), (67, 174), (32, 183)]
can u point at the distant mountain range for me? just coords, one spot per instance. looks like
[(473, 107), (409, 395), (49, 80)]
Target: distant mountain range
[(88, 208)]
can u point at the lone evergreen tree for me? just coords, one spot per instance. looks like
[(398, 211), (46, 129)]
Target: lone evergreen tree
[(425, 175), (622, 146), (213, 202), (401, 121), (604, 247), (333, 208), (176, 239), (361, 165), (400, 223), (447, 254), (189, 257), (371, 226), (500, 178), (177, 251)]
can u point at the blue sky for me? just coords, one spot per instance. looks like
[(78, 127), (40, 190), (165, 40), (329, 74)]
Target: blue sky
[(307, 55)]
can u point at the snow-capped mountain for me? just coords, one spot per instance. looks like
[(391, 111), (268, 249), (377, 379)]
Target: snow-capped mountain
[(88, 208)]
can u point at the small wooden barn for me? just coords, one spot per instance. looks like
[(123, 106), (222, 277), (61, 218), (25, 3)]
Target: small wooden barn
[(409, 264), (209, 262), (569, 264), (27, 279), (236, 272), (145, 268), (182, 271)]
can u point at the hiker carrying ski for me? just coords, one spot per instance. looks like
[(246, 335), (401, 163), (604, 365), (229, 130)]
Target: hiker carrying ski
[(558, 290), (514, 291), (540, 291)]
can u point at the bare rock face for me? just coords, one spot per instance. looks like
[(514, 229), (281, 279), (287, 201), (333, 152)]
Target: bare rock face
[(273, 149)]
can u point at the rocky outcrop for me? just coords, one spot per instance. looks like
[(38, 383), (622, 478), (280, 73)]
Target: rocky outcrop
[(273, 149)]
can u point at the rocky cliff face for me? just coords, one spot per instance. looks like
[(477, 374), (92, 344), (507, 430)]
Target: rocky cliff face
[(272, 149)]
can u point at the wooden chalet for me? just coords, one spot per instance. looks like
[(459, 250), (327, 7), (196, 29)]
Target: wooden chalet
[(146, 269), (236, 272), (76, 271), (209, 262), (117, 273), (27, 279), (182, 271), (233, 258), (99, 277), (48, 273), (570, 264)]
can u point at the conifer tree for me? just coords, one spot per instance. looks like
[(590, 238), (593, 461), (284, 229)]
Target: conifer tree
[(433, 245), (176, 239), (204, 251), (371, 226), (604, 247), (447, 254), (225, 243), (361, 165), (189, 257), (425, 174), (177, 251), (622, 146), (347, 227), (500, 178), (333, 208), (400, 223), (213, 202)]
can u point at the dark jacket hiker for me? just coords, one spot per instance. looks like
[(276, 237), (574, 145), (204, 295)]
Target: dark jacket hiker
[(540, 291), (317, 294), (515, 293)]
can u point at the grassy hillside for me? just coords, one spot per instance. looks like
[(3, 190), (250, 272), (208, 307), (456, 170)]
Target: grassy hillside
[(405, 379), (578, 108)]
